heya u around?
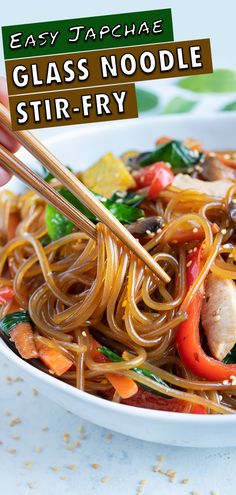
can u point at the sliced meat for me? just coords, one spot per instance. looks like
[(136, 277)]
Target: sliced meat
[(218, 315), (216, 188), (213, 169)]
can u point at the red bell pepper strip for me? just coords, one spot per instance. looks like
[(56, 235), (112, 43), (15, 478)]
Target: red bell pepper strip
[(188, 337), (198, 409), (147, 400), (157, 177), (6, 293)]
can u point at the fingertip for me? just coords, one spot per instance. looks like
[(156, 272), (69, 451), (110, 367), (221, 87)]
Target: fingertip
[(5, 176)]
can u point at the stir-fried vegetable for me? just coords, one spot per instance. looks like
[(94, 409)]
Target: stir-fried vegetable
[(124, 386), (188, 337), (121, 206), (57, 362), (148, 400), (107, 176), (112, 356), (17, 326), (6, 293), (173, 152), (156, 177)]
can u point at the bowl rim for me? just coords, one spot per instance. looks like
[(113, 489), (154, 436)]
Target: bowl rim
[(91, 400)]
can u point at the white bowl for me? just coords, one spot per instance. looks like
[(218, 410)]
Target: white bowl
[(80, 147)]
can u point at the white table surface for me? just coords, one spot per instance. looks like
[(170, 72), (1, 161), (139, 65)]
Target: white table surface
[(48, 459)]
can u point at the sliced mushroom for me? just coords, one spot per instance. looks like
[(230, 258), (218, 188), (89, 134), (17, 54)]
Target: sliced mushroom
[(145, 226), (132, 159), (213, 169), (218, 315), (232, 211)]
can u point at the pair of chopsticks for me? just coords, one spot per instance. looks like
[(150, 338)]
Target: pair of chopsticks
[(70, 181)]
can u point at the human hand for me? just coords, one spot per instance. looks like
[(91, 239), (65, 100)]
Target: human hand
[(6, 139)]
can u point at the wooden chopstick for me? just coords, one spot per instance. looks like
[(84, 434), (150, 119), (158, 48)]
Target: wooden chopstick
[(44, 156), (33, 181)]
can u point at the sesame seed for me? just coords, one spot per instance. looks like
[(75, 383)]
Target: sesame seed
[(95, 466), (105, 479), (44, 428), (8, 380), (225, 382), (55, 469), (72, 467), (189, 263), (195, 230), (35, 392), (12, 450), (232, 377), (234, 200), (38, 449), (217, 318), (198, 168), (18, 379), (77, 444), (71, 447), (28, 464), (223, 231), (31, 485), (141, 487), (14, 421), (156, 468), (63, 477), (66, 437), (185, 481), (8, 413), (109, 436), (161, 458)]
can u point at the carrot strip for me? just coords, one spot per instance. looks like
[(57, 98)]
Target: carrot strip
[(23, 338), (125, 386), (53, 358)]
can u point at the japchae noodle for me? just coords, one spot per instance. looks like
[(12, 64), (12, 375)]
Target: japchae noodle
[(78, 291)]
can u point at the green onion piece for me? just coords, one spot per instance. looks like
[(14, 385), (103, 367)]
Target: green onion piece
[(116, 358), (10, 321)]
